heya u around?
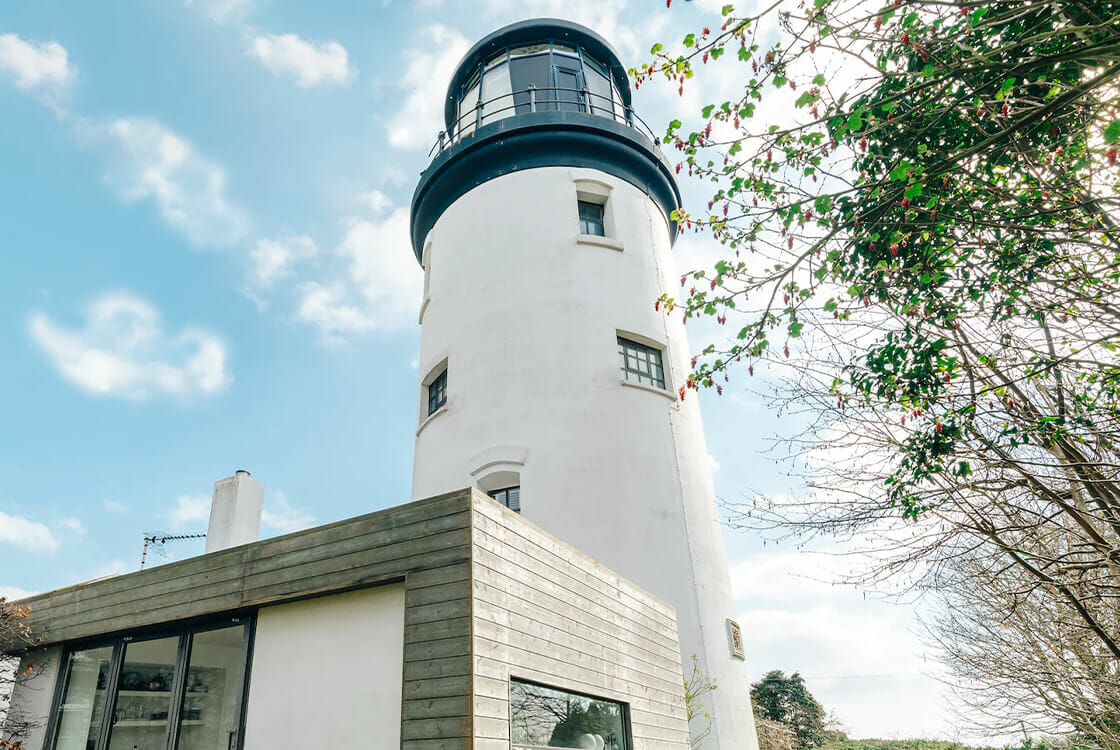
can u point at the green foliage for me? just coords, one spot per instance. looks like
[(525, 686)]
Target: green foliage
[(786, 700), (931, 225)]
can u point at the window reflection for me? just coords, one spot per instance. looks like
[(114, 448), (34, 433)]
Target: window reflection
[(83, 702), (211, 712), (547, 717), (535, 78), (144, 695)]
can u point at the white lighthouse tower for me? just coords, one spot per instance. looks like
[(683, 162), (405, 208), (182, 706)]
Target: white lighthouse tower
[(546, 376)]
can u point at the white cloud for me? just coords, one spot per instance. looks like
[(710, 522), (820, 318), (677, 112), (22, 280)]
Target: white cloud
[(419, 118), (11, 593), (72, 525), (112, 506), (150, 161), (26, 534), (189, 510), (375, 200), (113, 568), (329, 308), (383, 281), (859, 655), (35, 64), (282, 516), (122, 351), (311, 64), (273, 260), (604, 16), (222, 11)]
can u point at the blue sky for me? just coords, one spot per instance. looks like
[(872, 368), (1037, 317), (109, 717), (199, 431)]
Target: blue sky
[(203, 215)]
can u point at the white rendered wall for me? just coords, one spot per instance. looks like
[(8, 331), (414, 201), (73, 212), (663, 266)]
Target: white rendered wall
[(327, 672), (526, 317), (31, 698)]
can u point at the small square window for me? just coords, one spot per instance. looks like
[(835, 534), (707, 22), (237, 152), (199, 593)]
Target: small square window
[(641, 363), (591, 218), (508, 496), (437, 392)]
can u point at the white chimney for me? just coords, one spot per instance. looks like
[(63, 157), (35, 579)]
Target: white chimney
[(235, 512)]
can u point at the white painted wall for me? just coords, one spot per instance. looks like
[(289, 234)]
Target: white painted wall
[(31, 698), (326, 672), (526, 317)]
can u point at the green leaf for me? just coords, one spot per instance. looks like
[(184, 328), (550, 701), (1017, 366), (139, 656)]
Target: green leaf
[(795, 329), (675, 125), (1112, 132), (659, 46), (855, 121), (707, 111), (914, 190), (818, 79), (807, 97), (779, 81), (830, 306)]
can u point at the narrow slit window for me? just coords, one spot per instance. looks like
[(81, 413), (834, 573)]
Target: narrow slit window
[(437, 392), (641, 363), (508, 496), (591, 218)]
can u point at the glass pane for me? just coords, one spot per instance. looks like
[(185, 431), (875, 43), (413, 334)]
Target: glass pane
[(468, 111), (144, 695), (547, 717), (599, 91), (496, 100), (531, 71), (83, 703), (211, 711), (563, 48)]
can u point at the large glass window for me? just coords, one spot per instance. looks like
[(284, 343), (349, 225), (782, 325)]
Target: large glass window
[(598, 88), (83, 699), (549, 717), (496, 89), (143, 705), (540, 77), (211, 710), (179, 691), (641, 363), (531, 71)]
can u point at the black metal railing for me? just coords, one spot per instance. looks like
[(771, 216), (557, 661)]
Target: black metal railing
[(534, 99)]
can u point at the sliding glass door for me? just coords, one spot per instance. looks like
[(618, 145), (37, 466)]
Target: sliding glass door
[(167, 691)]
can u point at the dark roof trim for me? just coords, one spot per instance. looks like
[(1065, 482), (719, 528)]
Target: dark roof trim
[(529, 32), (541, 139)]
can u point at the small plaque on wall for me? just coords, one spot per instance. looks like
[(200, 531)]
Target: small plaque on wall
[(735, 640)]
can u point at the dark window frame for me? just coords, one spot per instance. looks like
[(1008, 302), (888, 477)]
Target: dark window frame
[(507, 500), (437, 392), (653, 372), (627, 724), (592, 216), (186, 631)]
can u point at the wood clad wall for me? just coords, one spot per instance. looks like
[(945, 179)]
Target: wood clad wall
[(547, 613), (427, 543)]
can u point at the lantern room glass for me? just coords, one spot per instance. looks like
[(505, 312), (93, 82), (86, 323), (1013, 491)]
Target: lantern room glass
[(543, 76)]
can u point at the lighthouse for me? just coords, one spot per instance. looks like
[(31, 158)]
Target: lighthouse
[(547, 378)]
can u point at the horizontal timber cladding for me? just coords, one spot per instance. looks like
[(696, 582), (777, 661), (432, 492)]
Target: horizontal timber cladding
[(543, 611), (487, 595), (426, 543)]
